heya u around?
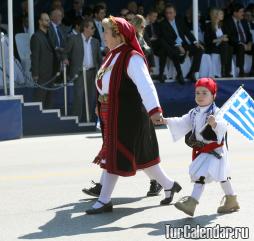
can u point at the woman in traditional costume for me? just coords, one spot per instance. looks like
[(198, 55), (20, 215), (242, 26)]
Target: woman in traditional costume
[(128, 108)]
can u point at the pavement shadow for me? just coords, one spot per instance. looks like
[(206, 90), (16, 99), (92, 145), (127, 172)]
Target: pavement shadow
[(94, 137), (70, 219), (159, 228)]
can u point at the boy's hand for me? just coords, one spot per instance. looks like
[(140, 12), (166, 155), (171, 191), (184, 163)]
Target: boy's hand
[(164, 120), (211, 121)]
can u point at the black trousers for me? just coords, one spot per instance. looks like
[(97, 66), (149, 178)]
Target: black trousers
[(240, 52), (44, 96), (173, 53), (225, 50)]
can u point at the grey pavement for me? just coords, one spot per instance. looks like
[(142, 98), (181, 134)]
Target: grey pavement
[(40, 192)]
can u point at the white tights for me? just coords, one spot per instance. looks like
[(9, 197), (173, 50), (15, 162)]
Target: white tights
[(109, 181)]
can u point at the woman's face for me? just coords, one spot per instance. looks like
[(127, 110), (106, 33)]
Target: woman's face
[(140, 28), (203, 96), (220, 15), (110, 41)]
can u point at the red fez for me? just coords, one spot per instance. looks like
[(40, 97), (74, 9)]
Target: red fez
[(208, 83), (129, 33)]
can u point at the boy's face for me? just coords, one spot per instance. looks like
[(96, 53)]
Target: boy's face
[(203, 96)]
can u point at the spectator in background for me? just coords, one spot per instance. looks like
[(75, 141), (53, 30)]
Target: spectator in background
[(249, 19), (56, 4), (124, 12), (99, 15), (174, 45), (132, 6), (103, 4), (218, 42), (151, 31), (76, 11), (76, 27), (160, 7), (82, 50), (19, 21), (141, 10), (139, 24), (189, 22), (240, 37), (22, 27), (57, 36), (42, 59), (129, 16)]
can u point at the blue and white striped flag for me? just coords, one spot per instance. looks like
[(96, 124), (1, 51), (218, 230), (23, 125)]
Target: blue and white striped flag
[(238, 111)]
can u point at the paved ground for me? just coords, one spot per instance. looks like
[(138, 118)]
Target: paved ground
[(40, 192)]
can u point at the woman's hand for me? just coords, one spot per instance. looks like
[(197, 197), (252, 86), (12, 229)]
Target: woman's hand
[(157, 118), (211, 121)]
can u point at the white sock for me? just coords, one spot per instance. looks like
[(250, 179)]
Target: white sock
[(157, 173), (197, 191), (102, 176), (227, 188), (109, 182)]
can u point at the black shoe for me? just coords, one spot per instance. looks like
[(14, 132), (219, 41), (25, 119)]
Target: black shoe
[(106, 208), (191, 77), (93, 191), (180, 79), (176, 188), (155, 189)]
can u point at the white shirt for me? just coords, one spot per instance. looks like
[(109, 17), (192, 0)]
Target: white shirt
[(55, 28), (219, 32), (100, 30), (88, 57), (140, 77), (178, 39)]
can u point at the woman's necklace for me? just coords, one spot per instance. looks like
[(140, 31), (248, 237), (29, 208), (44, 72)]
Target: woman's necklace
[(102, 71)]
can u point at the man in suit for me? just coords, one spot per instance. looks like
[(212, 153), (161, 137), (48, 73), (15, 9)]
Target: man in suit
[(151, 31), (57, 36), (42, 58), (173, 34), (99, 14), (240, 38), (83, 51)]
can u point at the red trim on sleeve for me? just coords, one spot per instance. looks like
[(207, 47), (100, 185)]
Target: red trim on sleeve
[(155, 110)]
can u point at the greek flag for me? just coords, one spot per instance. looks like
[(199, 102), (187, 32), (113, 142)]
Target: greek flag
[(238, 111)]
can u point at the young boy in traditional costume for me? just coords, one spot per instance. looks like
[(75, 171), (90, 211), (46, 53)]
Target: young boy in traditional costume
[(209, 144)]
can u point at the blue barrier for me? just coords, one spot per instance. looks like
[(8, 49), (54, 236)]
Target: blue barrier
[(10, 118)]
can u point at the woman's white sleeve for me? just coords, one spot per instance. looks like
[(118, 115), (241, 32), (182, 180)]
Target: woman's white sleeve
[(139, 74)]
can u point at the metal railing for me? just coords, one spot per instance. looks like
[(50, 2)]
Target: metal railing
[(3, 68)]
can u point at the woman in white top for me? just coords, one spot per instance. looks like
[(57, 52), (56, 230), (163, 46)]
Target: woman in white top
[(217, 41)]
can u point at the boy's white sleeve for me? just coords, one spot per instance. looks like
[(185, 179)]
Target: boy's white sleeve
[(179, 126)]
